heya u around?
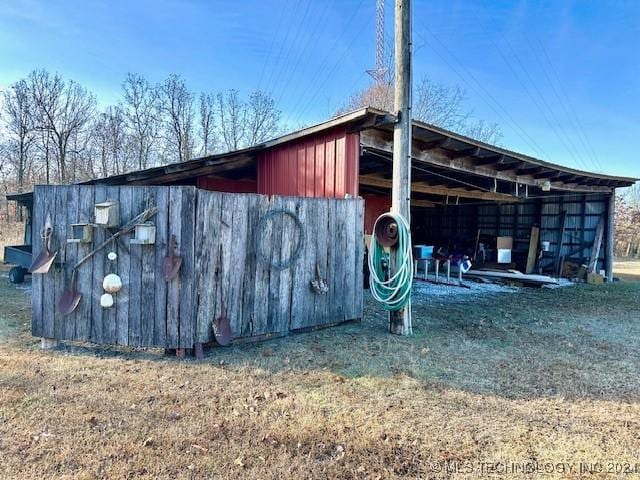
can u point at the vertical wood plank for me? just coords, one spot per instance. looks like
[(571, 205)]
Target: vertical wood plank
[(109, 315), (340, 245), (248, 283), (207, 241), (186, 310), (224, 272), (58, 272), (309, 261), (359, 260), (162, 250), (85, 271), (299, 280), (348, 292), (274, 251), (287, 247), (173, 288), (238, 256), (37, 283), (138, 205), (148, 274), (125, 200), (71, 256), (321, 237), (263, 238), (333, 254)]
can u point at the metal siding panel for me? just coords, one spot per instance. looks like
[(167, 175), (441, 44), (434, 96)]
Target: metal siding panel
[(320, 166), (340, 167), (353, 163), (323, 165), (330, 165)]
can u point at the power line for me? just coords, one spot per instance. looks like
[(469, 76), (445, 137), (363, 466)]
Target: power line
[(564, 100), (493, 103), (330, 73), (291, 46), (313, 35), (271, 45), (545, 110), (280, 50), (326, 58)]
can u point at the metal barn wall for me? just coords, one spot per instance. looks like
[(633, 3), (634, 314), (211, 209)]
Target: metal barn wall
[(321, 165), (457, 224)]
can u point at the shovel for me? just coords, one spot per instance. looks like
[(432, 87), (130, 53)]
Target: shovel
[(222, 325), (171, 264), (70, 298), (45, 258)]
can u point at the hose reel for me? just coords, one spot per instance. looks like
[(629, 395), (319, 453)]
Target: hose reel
[(393, 291)]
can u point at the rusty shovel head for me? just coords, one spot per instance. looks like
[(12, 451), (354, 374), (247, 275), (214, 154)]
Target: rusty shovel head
[(172, 263), (222, 330), (171, 267), (42, 263), (70, 298)]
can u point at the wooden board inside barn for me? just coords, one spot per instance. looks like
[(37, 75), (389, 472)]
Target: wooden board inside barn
[(230, 252)]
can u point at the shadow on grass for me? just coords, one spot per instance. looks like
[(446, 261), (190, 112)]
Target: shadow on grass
[(574, 342)]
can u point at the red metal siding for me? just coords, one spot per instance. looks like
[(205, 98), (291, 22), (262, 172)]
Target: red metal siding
[(374, 206), (321, 165), (227, 185)]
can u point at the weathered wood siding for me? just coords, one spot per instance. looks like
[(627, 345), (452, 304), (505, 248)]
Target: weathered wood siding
[(209, 226), (258, 299)]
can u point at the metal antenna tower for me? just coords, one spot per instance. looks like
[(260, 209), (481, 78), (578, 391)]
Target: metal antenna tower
[(379, 71)]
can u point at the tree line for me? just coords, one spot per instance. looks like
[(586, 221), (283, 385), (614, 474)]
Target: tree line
[(52, 131), (627, 241)]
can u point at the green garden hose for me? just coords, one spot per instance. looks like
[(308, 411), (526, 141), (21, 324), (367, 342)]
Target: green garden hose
[(392, 291)]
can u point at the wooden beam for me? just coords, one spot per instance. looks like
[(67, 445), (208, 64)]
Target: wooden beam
[(466, 152), (492, 160), (211, 169), (528, 170), (415, 202), (421, 187), (375, 139)]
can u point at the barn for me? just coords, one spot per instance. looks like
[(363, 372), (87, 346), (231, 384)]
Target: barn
[(326, 184)]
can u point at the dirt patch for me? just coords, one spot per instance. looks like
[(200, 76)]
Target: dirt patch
[(538, 379), (627, 269)]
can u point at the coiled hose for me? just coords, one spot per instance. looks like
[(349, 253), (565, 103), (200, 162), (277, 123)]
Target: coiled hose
[(394, 292)]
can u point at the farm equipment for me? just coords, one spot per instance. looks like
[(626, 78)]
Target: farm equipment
[(20, 257)]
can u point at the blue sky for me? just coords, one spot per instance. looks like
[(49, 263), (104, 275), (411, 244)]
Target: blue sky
[(560, 77)]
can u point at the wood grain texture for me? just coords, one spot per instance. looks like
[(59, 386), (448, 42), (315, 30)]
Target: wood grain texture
[(123, 268), (260, 300)]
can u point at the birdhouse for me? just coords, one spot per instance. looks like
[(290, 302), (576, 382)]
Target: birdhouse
[(81, 233), (145, 234), (106, 214)]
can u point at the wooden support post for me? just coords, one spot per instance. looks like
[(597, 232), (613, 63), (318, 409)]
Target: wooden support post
[(48, 343), (199, 351), (611, 229), (400, 321)]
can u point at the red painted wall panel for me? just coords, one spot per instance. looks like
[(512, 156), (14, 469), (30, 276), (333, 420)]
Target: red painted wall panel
[(227, 185), (374, 206), (322, 165)]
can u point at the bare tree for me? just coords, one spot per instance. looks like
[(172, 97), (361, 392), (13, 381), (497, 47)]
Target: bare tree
[(141, 112), (176, 103), (231, 113), (207, 123), (262, 118), (17, 110), (433, 103), (64, 109)]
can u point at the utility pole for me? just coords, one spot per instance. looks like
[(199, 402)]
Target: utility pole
[(400, 321)]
